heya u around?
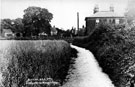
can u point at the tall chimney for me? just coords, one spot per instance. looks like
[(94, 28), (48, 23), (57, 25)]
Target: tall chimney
[(96, 9), (78, 21), (112, 8)]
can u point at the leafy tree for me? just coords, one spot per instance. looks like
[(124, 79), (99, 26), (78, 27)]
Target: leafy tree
[(130, 14), (18, 25), (6, 24), (15, 25), (36, 20)]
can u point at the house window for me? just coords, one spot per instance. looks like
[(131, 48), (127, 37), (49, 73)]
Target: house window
[(111, 20), (117, 21), (97, 21), (108, 21), (104, 20)]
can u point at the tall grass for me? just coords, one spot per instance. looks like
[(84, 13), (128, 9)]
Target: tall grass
[(35, 59), (4, 59)]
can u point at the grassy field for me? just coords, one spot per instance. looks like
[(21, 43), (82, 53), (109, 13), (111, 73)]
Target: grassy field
[(22, 60)]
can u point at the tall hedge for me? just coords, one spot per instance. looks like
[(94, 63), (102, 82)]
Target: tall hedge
[(114, 48)]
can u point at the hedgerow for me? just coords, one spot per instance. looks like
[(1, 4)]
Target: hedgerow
[(114, 48)]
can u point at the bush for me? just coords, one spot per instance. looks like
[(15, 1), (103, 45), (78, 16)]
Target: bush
[(68, 39), (36, 59), (114, 50)]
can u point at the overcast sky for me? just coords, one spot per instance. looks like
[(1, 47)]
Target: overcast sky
[(64, 11)]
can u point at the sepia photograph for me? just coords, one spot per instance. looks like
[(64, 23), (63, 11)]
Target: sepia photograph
[(67, 43)]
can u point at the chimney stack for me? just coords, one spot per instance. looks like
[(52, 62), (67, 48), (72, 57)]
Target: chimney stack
[(78, 21), (112, 8), (96, 9)]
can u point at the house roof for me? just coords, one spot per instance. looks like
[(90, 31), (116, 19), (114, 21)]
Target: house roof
[(108, 14), (53, 29), (7, 31)]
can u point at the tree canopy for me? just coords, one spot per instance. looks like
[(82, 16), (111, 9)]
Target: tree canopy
[(18, 25), (37, 20), (6, 23), (15, 25)]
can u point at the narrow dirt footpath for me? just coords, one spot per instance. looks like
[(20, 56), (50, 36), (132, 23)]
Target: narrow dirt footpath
[(87, 72)]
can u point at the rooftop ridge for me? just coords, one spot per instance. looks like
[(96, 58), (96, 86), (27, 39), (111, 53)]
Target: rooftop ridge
[(106, 14)]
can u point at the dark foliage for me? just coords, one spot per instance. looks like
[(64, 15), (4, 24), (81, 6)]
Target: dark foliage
[(68, 39), (36, 20), (114, 47)]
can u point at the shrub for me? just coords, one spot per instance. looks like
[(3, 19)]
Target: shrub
[(36, 59), (114, 49), (68, 39)]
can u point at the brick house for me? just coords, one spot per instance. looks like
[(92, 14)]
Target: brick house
[(54, 31), (6, 33), (102, 17)]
